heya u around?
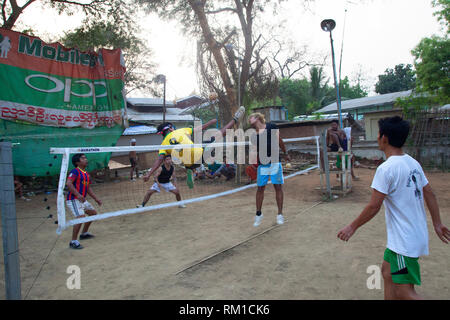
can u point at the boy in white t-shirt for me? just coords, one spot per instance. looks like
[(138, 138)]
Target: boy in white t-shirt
[(401, 183)]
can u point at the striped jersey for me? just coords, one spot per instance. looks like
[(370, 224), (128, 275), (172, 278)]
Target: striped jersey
[(80, 180)]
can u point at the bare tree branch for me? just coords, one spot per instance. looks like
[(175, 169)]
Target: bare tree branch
[(220, 10)]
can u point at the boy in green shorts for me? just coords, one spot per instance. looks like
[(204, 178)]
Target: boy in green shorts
[(401, 183)]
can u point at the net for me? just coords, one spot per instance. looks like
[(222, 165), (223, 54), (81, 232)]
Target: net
[(122, 195)]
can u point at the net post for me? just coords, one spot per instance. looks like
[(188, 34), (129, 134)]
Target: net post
[(318, 153), (326, 166), (62, 182), (9, 224)]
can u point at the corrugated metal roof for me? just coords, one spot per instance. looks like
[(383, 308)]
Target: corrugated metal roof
[(172, 114), (190, 109), (365, 102), (159, 117), (150, 102), (333, 116), (173, 111), (136, 130)]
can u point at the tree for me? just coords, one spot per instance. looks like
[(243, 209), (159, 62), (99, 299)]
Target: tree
[(443, 14), (224, 26), (432, 62), (319, 85), (401, 78), (117, 10), (295, 95), (99, 34), (348, 91)]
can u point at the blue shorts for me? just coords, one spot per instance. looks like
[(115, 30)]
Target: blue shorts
[(273, 170)]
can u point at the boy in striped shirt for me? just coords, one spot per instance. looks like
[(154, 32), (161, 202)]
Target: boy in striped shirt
[(78, 183)]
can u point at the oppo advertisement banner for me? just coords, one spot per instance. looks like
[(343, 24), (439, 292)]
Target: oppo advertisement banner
[(48, 84)]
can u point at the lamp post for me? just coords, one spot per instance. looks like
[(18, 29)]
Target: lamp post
[(160, 78), (328, 25)]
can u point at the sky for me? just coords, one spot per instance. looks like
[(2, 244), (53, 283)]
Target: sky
[(378, 34)]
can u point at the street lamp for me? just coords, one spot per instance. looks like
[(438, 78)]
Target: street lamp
[(328, 25), (160, 78)]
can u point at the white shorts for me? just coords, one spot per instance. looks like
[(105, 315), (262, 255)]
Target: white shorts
[(78, 208), (166, 186)]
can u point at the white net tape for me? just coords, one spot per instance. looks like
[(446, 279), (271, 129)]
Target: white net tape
[(66, 152)]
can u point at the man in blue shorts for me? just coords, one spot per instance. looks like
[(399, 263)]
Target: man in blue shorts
[(267, 167)]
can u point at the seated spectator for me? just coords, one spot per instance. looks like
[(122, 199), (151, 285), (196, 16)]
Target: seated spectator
[(217, 170), (336, 138), (200, 172), (251, 171), (18, 188)]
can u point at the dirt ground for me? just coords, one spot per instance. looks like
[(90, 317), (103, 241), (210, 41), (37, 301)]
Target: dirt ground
[(153, 255)]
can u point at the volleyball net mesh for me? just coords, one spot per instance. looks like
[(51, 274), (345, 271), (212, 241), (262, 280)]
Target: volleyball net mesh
[(122, 191)]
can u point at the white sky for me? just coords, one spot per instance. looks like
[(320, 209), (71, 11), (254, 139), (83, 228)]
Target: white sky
[(379, 34)]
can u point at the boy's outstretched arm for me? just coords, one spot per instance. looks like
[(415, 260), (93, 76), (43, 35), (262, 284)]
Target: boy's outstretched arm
[(158, 162), (430, 199), (366, 215), (205, 126)]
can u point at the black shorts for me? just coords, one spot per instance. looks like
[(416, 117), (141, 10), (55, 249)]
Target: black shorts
[(133, 162), (333, 147)]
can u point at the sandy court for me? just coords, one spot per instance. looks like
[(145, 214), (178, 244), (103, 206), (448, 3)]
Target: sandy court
[(142, 256)]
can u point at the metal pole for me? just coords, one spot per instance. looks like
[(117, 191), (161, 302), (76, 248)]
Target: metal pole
[(164, 101), (336, 84), (239, 76), (9, 224), (326, 165)]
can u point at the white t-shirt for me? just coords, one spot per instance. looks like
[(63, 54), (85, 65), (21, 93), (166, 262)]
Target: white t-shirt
[(402, 179)]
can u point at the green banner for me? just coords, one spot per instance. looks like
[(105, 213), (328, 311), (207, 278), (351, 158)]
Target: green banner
[(48, 84)]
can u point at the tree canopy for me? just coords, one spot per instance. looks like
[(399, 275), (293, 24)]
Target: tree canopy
[(99, 34), (230, 56), (401, 78), (304, 96), (432, 63), (119, 11)]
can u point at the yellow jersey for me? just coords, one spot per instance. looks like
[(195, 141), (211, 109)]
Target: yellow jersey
[(182, 136)]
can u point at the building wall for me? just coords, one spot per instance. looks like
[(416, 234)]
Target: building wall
[(371, 122), (306, 129), (289, 132), (272, 114)]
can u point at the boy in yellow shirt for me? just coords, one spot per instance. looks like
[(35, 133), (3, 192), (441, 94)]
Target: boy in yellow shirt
[(192, 157)]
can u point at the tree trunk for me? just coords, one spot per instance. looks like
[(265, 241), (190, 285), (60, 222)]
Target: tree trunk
[(199, 10), (15, 14)]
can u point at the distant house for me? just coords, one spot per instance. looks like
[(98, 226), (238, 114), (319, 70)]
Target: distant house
[(369, 110), (314, 126), (359, 107), (273, 113), (144, 116), (150, 111), (190, 101)]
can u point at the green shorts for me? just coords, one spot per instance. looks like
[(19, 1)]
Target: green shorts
[(403, 269), (339, 162)]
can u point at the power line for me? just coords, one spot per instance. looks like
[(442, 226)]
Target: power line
[(342, 46)]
